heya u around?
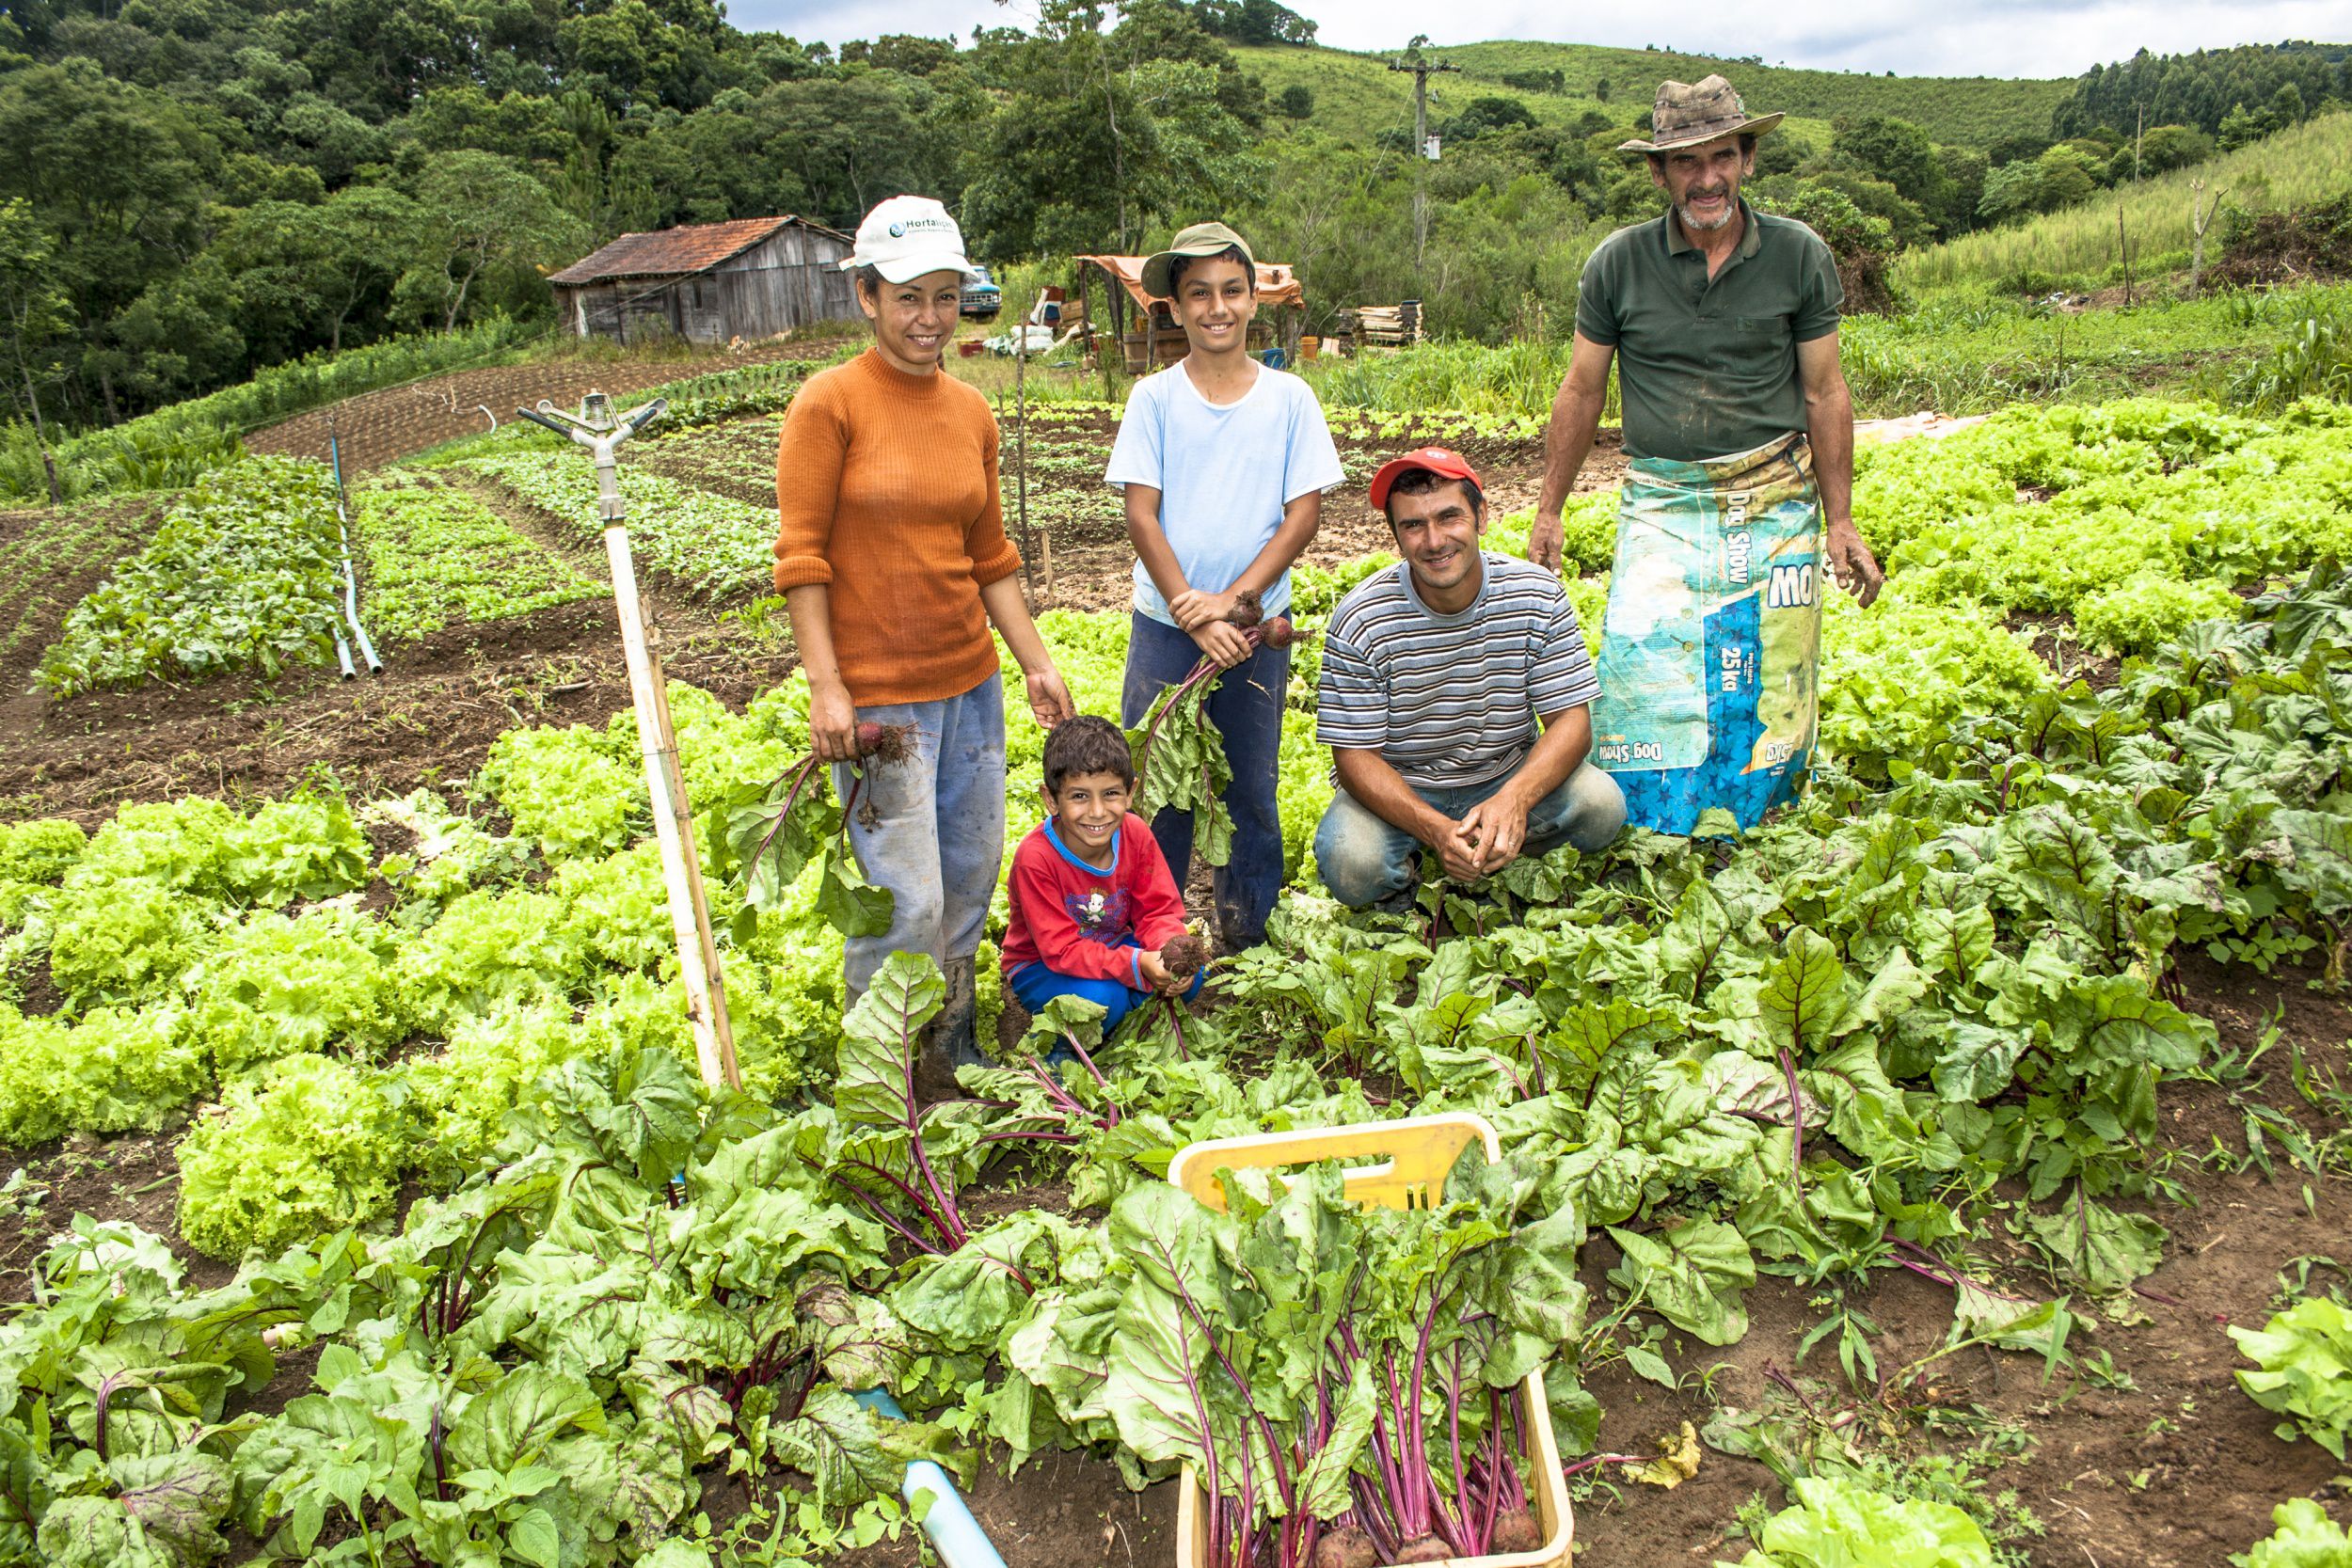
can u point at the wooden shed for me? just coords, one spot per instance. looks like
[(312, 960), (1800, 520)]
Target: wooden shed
[(709, 282), (1154, 339)]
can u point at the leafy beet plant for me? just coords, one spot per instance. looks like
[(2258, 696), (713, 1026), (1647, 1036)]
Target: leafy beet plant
[(1331, 1374)]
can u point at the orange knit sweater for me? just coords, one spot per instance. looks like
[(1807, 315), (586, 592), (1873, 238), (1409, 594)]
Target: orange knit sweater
[(887, 491)]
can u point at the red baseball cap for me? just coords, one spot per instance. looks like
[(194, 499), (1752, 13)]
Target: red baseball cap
[(1435, 460)]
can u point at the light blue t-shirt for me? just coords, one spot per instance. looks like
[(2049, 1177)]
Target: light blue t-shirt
[(1224, 474)]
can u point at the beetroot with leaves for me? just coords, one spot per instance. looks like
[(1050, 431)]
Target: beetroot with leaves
[(1248, 609), (1184, 955), (889, 744)]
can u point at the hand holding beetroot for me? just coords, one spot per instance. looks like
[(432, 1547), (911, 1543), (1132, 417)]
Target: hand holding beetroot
[(832, 722)]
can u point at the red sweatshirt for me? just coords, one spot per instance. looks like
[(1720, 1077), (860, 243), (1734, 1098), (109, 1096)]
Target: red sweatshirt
[(1076, 917)]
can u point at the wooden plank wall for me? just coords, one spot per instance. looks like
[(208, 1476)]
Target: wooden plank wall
[(793, 279)]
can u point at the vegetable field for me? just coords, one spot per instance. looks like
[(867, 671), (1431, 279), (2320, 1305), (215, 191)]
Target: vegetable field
[(1953, 1170)]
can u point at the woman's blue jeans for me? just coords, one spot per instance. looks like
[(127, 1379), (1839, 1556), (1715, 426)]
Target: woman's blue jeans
[(935, 837)]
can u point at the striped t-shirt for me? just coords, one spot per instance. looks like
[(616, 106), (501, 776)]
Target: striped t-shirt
[(1450, 701)]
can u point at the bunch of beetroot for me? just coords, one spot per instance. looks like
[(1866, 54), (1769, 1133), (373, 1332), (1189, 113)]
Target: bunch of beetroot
[(1197, 782), (774, 831)]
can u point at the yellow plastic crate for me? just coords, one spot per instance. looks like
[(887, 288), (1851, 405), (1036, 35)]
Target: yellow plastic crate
[(1415, 1155)]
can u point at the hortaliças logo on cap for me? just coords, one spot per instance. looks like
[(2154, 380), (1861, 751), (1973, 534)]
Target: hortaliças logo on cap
[(898, 230)]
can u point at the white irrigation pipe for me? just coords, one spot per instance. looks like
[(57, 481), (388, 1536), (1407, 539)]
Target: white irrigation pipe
[(600, 431), (351, 583)]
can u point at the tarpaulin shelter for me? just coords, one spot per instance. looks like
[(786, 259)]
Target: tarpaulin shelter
[(1155, 340)]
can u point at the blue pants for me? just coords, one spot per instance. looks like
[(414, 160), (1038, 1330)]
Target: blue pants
[(1034, 985), (1247, 708), (937, 840), (1366, 858)]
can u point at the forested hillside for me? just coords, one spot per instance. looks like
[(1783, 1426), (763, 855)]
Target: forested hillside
[(1560, 83), (195, 192)]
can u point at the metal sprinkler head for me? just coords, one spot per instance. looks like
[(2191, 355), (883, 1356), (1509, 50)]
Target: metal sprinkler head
[(595, 421)]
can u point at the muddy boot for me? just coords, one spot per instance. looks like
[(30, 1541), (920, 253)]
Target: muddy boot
[(948, 1041)]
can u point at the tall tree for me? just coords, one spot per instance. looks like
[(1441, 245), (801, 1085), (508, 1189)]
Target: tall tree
[(34, 320), (1105, 134), (482, 214), (117, 176)]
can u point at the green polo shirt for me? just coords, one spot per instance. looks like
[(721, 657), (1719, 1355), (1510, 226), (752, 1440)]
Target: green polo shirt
[(1709, 368)]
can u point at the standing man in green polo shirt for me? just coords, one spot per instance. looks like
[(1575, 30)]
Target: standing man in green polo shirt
[(1722, 321)]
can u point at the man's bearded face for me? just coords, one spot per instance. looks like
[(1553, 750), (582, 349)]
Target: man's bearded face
[(1703, 182)]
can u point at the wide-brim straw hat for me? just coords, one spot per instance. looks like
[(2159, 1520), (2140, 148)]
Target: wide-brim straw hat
[(1688, 114)]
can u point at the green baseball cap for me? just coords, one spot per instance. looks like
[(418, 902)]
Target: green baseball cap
[(1202, 239)]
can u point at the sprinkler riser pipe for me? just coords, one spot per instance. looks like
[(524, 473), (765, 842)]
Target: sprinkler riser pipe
[(949, 1521)]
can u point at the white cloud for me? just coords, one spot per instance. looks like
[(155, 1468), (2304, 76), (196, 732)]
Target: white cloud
[(1913, 38)]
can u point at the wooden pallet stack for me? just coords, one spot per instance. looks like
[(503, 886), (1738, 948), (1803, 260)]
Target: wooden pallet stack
[(1385, 325)]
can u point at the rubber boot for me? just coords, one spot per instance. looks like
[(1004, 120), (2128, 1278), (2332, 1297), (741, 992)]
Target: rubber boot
[(948, 1040)]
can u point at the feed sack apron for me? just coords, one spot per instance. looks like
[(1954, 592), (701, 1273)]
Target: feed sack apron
[(1709, 653)]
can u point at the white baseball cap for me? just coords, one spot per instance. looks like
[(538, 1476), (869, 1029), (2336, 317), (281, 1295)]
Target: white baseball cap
[(908, 236)]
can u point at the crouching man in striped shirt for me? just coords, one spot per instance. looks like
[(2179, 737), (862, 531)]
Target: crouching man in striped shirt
[(1435, 675)]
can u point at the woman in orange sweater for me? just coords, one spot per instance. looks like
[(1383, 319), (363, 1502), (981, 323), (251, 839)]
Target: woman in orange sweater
[(892, 558)]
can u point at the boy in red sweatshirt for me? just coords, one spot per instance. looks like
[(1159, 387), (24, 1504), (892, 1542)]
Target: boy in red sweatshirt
[(1092, 899)]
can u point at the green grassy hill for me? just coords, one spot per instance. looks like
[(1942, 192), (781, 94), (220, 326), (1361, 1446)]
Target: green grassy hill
[(1357, 97), (2078, 245)]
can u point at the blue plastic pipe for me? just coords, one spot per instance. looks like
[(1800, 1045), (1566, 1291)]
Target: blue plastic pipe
[(961, 1541)]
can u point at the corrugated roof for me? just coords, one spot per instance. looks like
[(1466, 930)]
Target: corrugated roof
[(676, 252)]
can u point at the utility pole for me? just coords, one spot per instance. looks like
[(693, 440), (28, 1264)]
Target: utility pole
[(1421, 69)]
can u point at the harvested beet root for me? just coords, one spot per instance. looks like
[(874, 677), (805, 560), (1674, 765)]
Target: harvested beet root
[(1184, 955), (1423, 1548), (1279, 632), (1516, 1531), (1248, 609), (888, 743), (1344, 1548)]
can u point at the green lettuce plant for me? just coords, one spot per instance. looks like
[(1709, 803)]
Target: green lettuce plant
[(2305, 1538), (1838, 1523), (2305, 1370)]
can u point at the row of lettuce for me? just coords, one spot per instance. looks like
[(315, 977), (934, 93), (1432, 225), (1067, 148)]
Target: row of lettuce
[(2132, 520), (244, 573)]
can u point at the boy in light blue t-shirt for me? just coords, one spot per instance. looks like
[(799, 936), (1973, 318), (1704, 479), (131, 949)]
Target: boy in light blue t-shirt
[(1224, 463)]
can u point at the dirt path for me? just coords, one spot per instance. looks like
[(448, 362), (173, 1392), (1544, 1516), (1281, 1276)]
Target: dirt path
[(376, 428)]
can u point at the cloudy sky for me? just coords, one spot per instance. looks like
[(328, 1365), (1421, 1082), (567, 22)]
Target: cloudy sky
[(1916, 37)]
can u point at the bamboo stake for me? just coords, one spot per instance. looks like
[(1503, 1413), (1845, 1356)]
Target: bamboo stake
[(657, 738), (673, 819), (1021, 419)]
